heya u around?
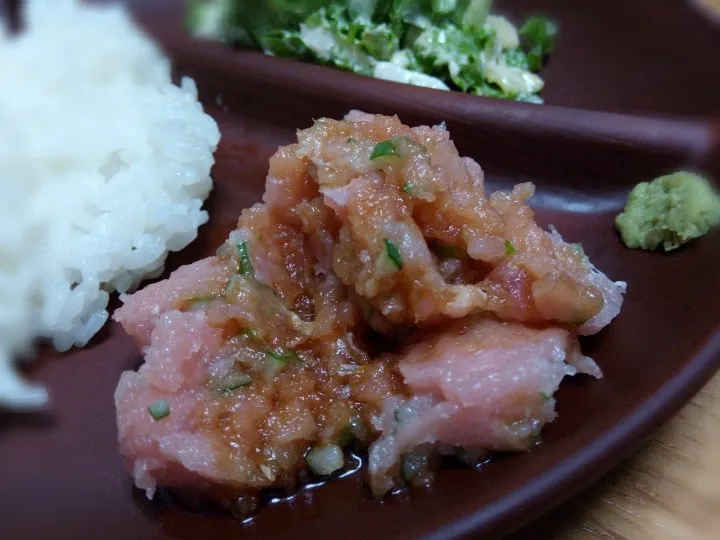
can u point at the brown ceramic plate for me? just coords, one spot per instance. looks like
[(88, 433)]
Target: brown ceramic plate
[(60, 472)]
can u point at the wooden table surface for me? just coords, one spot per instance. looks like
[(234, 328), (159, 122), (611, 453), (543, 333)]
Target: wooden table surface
[(669, 490)]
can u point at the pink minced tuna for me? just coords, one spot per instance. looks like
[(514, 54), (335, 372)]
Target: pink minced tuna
[(264, 363), (482, 385)]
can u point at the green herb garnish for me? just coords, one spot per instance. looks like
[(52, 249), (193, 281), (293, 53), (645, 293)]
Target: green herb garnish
[(393, 254), (275, 363), (325, 460), (440, 44), (578, 247), (250, 334), (516, 58), (290, 356), (246, 268), (385, 148), (545, 396), (407, 187), (538, 37), (159, 409), (235, 381), (509, 248), (276, 356)]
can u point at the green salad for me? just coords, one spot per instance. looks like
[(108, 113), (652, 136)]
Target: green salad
[(443, 44)]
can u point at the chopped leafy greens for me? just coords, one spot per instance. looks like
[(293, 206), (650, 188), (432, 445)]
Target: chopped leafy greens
[(235, 381), (284, 43), (251, 335), (246, 268), (509, 248), (277, 361), (159, 409), (393, 254), (442, 44), (284, 358), (538, 36), (385, 148)]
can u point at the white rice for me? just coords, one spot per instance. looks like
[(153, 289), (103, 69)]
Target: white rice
[(104, 166)]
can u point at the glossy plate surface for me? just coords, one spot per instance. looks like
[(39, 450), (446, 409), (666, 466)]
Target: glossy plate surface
[(60, 472)]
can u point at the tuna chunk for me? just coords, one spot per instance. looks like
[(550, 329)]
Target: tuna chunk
[(421, 240), (480, 385), (204, 278), (264, 362)]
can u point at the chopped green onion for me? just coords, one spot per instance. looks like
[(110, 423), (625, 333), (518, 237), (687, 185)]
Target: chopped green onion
[(509, 248), (393, 254), (251, 335), (325, 460), (274, 364), (246, 268), (275, 356), (385, 148), (235, 381), (159, 409), (475, 14), (538, 35), (284, 358), (545, 396), (407, 187)]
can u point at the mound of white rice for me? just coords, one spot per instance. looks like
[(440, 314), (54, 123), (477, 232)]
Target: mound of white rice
[(104, 166)]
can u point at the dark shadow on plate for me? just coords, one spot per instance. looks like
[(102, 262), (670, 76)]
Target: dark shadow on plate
[(31, 420)]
